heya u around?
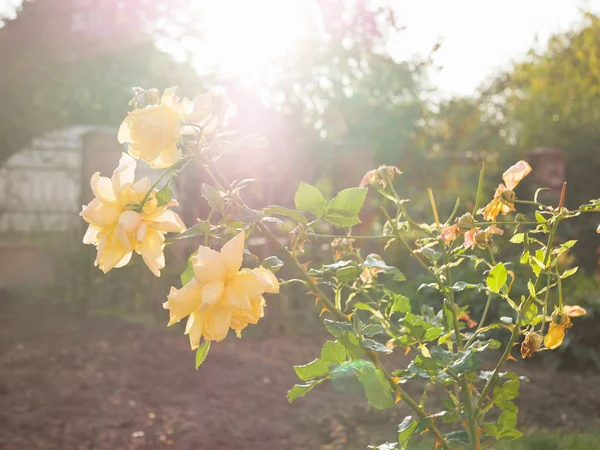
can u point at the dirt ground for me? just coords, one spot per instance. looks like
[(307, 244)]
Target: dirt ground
[(99, 383)]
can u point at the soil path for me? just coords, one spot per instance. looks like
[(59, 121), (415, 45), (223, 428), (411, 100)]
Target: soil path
[(71, 383)]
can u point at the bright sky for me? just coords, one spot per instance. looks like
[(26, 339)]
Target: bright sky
[(479, 36)]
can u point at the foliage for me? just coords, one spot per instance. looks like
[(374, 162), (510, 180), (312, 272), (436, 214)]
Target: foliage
[(363, 307)]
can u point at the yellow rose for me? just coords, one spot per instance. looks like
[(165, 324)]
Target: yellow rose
[(117, 226), (153, 132), (220, 296)]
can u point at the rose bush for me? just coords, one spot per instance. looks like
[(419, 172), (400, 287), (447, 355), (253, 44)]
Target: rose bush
[(362, 307)]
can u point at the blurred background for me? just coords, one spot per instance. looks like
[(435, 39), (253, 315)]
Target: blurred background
[(337, 87)]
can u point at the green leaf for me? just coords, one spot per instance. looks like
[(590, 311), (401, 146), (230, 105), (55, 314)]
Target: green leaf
[(352, 344), (400, 304), (342, 220), (517, 238), (490, 429), (200, 229), (333, 352), (309, 198), (338, 328), (374, 260), (202, 353), (212, 196), (497, 278), (568, 273), (300, 390), (188, 273), (317, 368), (348, 202), (459, 437), (273, 263), (432, 333), (165, 195), (507, 421), (372, 329), (281, 211), (371, 344), (406, 429), (468, 362), (376, 386), (347, 274)]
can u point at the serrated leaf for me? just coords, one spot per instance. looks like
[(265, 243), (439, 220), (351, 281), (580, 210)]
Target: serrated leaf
[(518, 238), (342, 220), (309, 198), (372, 329), (352, 344), (202, 353), (188, 273), (377, 388), (273, 263), (406, 429), (375, 346), (374, 261), (165, 195), (212, 195), (299, 390), (338, 328), (400, 303), (281, 211), (333, 352), (348, 202), (569, 272), (200, 229), (312, 370), (497, 278)]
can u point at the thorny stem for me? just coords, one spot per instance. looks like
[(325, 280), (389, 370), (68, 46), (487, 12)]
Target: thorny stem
[(167, 171), (513, 337), (481, 322), (290, 259)]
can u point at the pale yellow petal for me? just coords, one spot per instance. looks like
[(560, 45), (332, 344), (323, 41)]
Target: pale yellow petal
[(91, 235), (102, 188), (272, 285), (124, 261), (142, 186), (208, 265), (151, 248), (110, 251), (575, 311), (100, 214), (167, 157), (129, 221), (515, 174), (236, 293), (166, 221), (124, 174), (211, 294), (124, 135), (184, 301), (194, 328), (216, 323), (233, 254)]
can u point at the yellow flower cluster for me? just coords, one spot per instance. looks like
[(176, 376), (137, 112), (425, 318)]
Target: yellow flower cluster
[(154, 129), (119, 224), (220, 296), (126, 216)]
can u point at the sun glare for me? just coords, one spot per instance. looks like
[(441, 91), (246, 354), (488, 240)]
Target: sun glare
[(244, 37)]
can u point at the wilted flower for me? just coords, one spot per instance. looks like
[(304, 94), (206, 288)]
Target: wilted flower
[(504, 198), (220, 296), (559, 322), (598, 229), (342, 247), (449, 233), (479, 237), (118, 223), (531, 344), (382, 176)]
